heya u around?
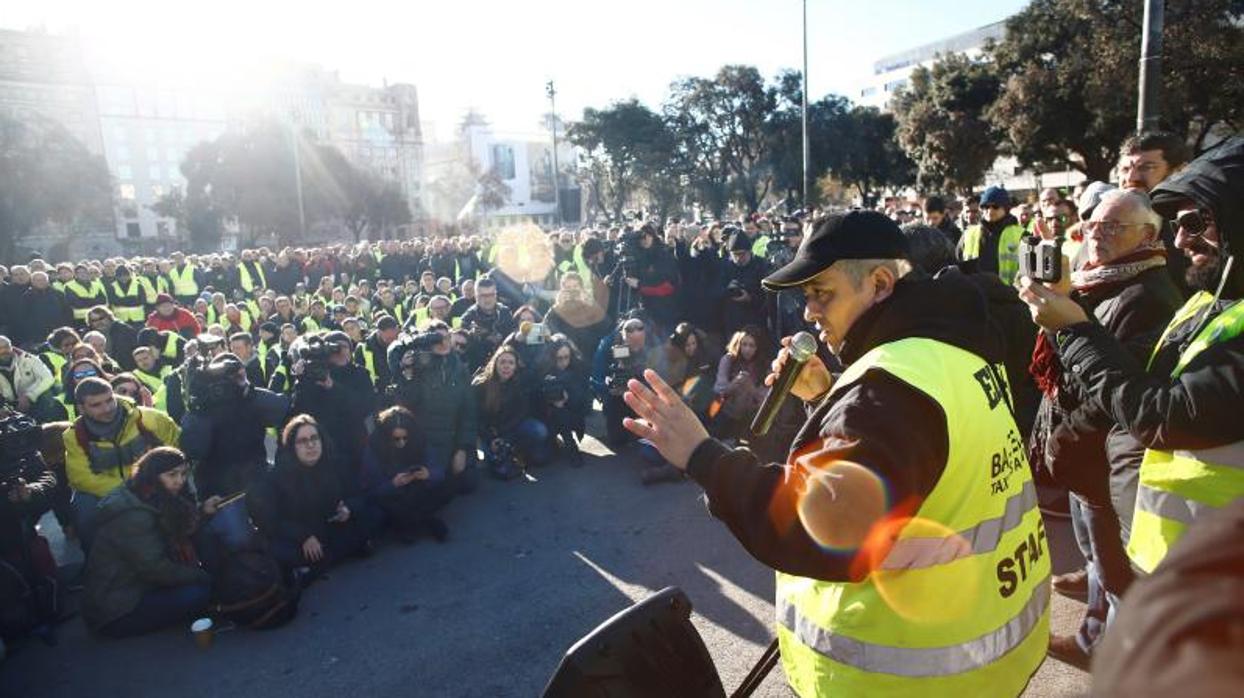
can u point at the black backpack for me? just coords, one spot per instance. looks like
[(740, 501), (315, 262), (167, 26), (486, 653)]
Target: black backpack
[(251, 591)]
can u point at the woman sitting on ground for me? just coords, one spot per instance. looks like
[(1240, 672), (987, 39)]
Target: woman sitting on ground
[(565, 399), (126, 385), (739, 385), (398, 478), (505, 416), (691, 367), (143, 572), (301, 508)]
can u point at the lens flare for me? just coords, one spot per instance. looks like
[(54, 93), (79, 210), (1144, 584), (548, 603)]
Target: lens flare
[(523, 253), (932, 594), (840, 502)]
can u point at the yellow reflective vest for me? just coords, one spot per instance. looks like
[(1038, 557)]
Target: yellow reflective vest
[(1179, 486), (247, 281), (127, 303), (183, 280), (1008, 249), (98, 467), (958, 605)]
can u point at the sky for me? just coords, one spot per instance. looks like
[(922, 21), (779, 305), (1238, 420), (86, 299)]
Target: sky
[(496, 56)]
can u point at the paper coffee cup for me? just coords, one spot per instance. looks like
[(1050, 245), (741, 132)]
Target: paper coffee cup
[(203, 631)]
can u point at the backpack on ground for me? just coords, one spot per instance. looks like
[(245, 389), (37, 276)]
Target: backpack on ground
[(250, 590)]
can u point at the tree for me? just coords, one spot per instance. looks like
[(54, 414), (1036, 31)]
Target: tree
[(623, 144), (828, 123), (1070, 98), (47, 176), (871, 157), (721, 126), (942, 122)]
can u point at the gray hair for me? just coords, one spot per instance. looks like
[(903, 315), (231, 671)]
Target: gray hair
[(1135, 201), (857, 269)]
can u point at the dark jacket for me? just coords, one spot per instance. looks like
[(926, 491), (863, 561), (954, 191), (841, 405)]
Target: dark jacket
[(738, 314), (294, 502), (658, 283), (1070, 435), (226, 444), (990, 232), (512, 407), (1201, 407), (334, 410), (284, 279), (702, 285), (874, 421), (121, 342), (440, 395), (43, 310), (129, 557)]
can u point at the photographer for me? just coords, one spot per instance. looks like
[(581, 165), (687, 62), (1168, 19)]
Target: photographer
[(511, 435), (318, 393), (565, 399), (431, 381), (620, 357), (223, 436), (698, 255), (27, 490), (487, 323), (784, 309), (745, 301), (646, 276)]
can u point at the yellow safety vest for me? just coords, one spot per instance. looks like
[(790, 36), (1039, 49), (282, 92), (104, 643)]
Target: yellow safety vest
[(1177, 487), (171, 345), (1008, 249), (152, 381), (148, 289), (77, 290), (248, 283), (57, 364), (760, 247), (183, 280), (959, 604), (128, 305)]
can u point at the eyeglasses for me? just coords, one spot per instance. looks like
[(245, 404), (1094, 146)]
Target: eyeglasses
[(308, 441), (1193, 223), (986, 207), (1108, 227)]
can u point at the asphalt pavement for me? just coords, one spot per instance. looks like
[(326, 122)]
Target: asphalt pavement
[(531, 566)]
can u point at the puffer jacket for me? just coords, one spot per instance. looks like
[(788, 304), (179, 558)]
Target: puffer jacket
[(129, 557), (30, 377)]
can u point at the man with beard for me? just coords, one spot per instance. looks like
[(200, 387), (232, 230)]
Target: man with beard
[(1183, 403), (993, 244), (487, 323)]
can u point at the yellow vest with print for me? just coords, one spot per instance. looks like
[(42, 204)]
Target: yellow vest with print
[(1008, 249), (1177, 487), (959, 606)]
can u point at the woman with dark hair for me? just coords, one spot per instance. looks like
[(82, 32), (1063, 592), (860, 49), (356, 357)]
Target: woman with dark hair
[(505, 415), (126, 385), (397, 476), (564, 396), (740, 386), (690, 367), (581, 320), (143, 572), (301, 506)]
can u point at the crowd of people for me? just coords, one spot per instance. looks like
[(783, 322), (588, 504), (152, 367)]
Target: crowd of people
[(392, 375)]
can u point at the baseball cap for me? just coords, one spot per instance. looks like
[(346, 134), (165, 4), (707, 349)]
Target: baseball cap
[(853, 235)]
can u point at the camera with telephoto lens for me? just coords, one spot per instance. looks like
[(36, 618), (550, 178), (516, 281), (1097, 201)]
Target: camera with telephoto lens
[(628, 250), (213, 384), (553, 389), (621, 369), (20, 438), (315, 353), (735, 290), (1040, 259)]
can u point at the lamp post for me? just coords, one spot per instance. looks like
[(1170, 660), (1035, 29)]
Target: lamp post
[(1147, 112), (804, 107), (557, 190)]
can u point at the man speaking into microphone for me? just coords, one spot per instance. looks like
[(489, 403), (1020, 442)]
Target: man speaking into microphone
[(910, 555)]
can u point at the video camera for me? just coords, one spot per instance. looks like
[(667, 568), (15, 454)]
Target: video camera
[(621, 369), (553, 389), (1041, 259), (20, 438), (315, 353), (628, 250), (213, 383)]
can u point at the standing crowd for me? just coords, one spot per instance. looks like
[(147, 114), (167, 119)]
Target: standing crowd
[(393, 374)]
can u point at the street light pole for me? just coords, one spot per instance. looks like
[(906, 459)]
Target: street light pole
[(302, 213), (1147, 111), (804, 107), (557, 190)]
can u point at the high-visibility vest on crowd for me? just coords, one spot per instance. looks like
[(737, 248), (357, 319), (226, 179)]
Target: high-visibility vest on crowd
[(86, 298), (959, 604), (310, 325), (1178, 487), (760, 248), (183, 281), (127, 304), (153, 381), (149, 291), (1008, 248), (171, 345), (55, 362), (369, 362), (247, 282), (163, 285)]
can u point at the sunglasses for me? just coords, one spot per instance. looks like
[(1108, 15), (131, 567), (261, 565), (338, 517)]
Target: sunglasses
[(986, 207), (1193, 223)]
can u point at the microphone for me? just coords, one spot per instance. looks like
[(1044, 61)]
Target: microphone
[(802, 347)]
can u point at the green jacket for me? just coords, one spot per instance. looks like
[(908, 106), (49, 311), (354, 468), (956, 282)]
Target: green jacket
[(128, 558)]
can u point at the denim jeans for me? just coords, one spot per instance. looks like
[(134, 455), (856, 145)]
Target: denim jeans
[(440, 463), (85, 509), (1097, 533), (531, 438), (160, 608)]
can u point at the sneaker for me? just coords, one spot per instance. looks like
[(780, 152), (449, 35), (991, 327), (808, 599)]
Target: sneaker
[(1065, 649), (1073, 585), (437, 529), (654, 474)]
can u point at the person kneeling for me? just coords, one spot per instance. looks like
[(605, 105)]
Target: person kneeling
[(143, 572), (300, 506), (399, 478)]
